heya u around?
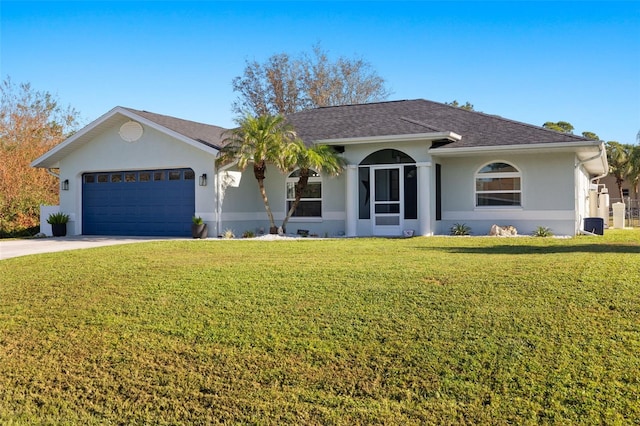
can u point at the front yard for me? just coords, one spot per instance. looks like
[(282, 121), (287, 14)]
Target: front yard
[(444, 330)]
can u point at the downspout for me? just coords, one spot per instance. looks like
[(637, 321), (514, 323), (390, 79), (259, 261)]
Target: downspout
[(595, 157)]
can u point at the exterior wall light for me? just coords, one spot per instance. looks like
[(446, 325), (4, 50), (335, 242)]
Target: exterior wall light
[(203, 179), (65, 185)]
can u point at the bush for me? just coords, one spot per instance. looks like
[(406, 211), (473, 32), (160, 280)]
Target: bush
[(248, 234), (57, 218), (542, 231), (460, 229), (228, 234)]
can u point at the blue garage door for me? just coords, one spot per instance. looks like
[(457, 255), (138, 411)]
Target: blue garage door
[(150, 202)]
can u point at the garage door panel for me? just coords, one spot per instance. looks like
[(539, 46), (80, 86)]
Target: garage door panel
[(150, 203)]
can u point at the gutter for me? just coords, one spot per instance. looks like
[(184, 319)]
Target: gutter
[(591, 180), (595, 157), (52, 173)]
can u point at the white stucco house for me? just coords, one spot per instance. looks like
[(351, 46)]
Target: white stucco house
[(413, 165)]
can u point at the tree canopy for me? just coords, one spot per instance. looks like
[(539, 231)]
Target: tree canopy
[(259, 140), (624, 163), (560, 126), (284, 84), (269, 139), (467, 105), (31, 123)]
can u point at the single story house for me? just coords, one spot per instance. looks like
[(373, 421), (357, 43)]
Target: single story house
[(413, 166)]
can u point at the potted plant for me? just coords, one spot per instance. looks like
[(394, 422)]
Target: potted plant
[(198, 228), (58, 222)]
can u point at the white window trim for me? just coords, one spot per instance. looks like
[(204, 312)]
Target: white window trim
[(477, 175), (294, 180)]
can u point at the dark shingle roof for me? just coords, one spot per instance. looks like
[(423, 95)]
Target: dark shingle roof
[(204, 133), (420, 116)]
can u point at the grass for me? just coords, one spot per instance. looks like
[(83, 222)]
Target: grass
[(435, 330)]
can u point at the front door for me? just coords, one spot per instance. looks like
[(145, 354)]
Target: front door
[(387, 206)]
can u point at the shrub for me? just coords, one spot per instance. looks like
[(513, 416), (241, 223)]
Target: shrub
[(248, 234), (228, 234), (197, 220), (57, 218), (542, 231), (460, 229)]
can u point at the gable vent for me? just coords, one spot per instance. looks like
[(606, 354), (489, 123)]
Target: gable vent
[(131, 131)]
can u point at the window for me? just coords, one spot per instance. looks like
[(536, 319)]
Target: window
[(311, 201), (498, 184)]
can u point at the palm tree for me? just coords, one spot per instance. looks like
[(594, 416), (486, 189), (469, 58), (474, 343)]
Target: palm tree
[(619, 166), (259, 140), (634, 167), (321, 158)]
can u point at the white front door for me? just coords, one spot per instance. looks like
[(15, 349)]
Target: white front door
[(388, 200)]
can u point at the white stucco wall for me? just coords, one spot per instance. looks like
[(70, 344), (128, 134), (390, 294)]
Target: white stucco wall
[(155, 150), (548, 194), (243, 208), (583, 184)]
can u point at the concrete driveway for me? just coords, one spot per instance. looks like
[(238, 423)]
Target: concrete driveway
[(16, 248)]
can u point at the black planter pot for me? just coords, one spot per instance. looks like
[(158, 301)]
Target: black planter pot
[(199, 231), (59, 229)]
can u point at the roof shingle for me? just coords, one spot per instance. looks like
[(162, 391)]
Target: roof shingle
[(420, 116), (204, 133)]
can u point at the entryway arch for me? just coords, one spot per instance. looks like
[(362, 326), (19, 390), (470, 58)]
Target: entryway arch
[(387, 191)]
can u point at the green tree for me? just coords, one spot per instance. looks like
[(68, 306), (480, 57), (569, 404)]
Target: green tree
[(634, 167), (618, 156), (591, 136), (284, 84), (323, 159), (560, 126), (467, 105), (259, 140)]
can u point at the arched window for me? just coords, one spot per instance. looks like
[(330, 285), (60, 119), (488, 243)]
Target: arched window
[(498, 184), (311, 202)]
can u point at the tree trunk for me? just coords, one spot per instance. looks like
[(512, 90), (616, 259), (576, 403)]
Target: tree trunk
[(263, 192), (619, 182), (259, 171), (300, 186)]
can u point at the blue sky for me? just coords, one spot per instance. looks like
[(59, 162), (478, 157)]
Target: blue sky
[(576, 61)]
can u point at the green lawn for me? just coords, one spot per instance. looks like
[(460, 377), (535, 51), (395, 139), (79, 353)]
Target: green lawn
[(442, 330)]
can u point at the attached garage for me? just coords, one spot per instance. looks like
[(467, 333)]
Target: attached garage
[(143, 203), (136, 173)]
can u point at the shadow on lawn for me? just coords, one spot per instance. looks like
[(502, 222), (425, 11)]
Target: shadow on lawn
[(527, 249)]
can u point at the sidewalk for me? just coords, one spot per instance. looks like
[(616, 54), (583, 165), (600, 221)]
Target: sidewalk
[(25, 247)]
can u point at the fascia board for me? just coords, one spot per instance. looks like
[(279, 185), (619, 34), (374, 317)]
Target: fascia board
[(584, 150), (580, 146), (391, 138)]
